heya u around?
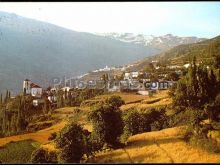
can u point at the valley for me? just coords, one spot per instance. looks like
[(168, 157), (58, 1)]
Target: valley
[(109, 82)]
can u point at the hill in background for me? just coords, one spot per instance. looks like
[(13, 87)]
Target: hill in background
[(39, 51)]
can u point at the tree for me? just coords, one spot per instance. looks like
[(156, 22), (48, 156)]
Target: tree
[(107, 124), (46, 107), (173, 76), (70, 141), (6, 97), (115, 101), (1, 101), (21, 122), (60, 99)]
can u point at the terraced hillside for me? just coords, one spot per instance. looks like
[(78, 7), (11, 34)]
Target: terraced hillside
[(165, 146)]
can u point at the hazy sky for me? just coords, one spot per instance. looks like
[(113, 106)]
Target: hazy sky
[(200, 19)]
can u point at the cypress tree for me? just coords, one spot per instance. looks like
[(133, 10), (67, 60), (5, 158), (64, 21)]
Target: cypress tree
[(9, 94), (1, 99), (6, 97), (212, 85)]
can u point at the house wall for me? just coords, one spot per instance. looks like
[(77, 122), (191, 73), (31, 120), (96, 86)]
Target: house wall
[(27, 86), (37, 92)]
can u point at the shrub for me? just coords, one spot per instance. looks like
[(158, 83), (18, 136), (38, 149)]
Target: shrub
[(138, 122), (134, 123), (115, 101), (42, 155), (107, 124), (72, 143), (52, 136), (187, 116), (205, 143)]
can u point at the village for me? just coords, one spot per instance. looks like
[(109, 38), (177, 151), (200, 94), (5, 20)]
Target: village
[(138, 82)]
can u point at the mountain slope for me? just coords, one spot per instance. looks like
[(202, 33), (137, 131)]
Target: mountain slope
[(179, 55), (160, 42), (40, 51)]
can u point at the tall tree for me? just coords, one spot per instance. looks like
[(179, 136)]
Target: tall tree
[(1, 100)]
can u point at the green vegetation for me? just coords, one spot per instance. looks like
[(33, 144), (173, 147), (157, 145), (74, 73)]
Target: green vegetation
[(18, 152), (107, 122), (42, 155), (197, 88), (76, 96), (145, 121), (196, 97), (72, 142)]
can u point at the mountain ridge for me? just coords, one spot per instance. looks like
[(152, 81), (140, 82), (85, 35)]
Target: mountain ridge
[(40, 51), (163, 42)]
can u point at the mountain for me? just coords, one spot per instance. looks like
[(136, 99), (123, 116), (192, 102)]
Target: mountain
[(160, 42), (41, 51), (204, 51)]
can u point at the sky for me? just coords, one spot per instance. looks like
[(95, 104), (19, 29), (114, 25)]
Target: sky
[(201, 19)]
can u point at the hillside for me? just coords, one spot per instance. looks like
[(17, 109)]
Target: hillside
[(40, 51), (165, 146), (180, 55)]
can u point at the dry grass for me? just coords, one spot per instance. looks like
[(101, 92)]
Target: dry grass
[(127, 97), (165, 146), (159, 99), (42, 135), (39, 136)]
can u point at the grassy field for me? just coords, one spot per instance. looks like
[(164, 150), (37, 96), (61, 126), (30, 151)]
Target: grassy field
[(165, 146), (18, 152), (61, 115), (159, 99)]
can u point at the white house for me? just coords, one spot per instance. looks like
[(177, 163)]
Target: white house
[(134, 74), (186, 65), (36, 90), (127, 76), (32, 88), (36, 102), (66, 89)]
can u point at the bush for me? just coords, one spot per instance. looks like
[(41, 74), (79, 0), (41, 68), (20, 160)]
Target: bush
[(205, 143), (134, 123), (52, 136), (138, 122), (187, 116), (107, 124), (72, 143), (42, 155), (115, 101)]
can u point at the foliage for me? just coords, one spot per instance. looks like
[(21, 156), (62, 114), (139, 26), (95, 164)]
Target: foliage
[(185, 116), (197, 88), (138, 122), (115, 101), (52, 136), (107, 123), (212, 109), (17, 152), (173, 76), (71, 141), (42, 155)]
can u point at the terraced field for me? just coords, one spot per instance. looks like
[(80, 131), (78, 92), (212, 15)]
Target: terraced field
[(165, 146)]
